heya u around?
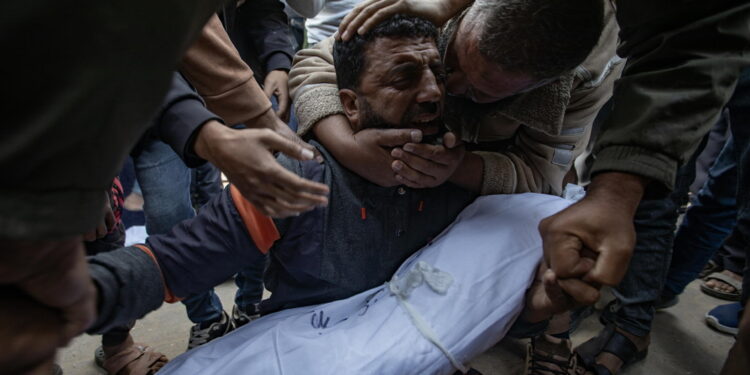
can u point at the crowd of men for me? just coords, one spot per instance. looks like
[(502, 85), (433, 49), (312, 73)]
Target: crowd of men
[(428, 102)]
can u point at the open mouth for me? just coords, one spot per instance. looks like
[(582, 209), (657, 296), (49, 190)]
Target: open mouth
[(428, 123)]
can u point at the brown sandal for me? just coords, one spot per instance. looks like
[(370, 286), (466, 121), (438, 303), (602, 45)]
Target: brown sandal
[(137, 359)]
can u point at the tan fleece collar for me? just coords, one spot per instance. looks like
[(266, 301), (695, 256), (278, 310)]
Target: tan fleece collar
[(542, 109)]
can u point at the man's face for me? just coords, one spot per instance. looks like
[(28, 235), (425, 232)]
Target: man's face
[(473, 76), (401, 85)]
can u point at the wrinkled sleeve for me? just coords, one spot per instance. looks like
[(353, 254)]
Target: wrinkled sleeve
[(214, 67), (683, 64), (538, 162), (181, 116), (312, 82), (266, 27)]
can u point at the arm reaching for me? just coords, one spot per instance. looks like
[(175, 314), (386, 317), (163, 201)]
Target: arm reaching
[(370, 13)]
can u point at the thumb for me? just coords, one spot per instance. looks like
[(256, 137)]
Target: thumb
[(450, 140), (296, 150), (398, 137)]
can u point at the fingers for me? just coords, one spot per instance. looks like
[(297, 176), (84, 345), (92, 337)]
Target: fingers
[(434, 153), (374, 17), (357, 17), (395, 137), (283, 97), (411, 177), (581, 292), (562, 250), (610, 266), (269, 87), (450, 140), (425, 165), (275, 141)]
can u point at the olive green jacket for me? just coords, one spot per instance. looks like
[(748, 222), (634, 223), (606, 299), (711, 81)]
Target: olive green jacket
[(684, 59)]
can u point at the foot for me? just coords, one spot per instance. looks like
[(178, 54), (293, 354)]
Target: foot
[(202, 333), (129, 358), (241, 317), (721, 286), (549, 355), (725, 318), (612, 362)]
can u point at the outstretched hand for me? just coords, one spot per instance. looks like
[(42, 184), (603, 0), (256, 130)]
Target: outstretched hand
[(589, 244), (369, 13), (246, 157)]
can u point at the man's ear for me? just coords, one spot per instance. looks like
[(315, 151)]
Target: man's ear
[(351, 108)]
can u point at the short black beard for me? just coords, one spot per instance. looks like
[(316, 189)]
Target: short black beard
[(370, 119)]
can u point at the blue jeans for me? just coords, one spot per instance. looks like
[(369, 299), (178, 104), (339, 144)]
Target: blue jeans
[(706, 224), (206, 184), (165, 182), (655, 221)]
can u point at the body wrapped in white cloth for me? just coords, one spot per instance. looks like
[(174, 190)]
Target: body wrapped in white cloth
[(449, 302)]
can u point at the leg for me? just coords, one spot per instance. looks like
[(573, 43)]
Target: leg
[(249, 294), (165, 182), (737, 361), (628, 317), (706, 223), (206, 184)]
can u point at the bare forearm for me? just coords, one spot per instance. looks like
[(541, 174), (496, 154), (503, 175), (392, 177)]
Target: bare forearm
[(624, 190)]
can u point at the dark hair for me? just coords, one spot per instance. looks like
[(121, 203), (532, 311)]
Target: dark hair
[(543, 38), (349, 56)]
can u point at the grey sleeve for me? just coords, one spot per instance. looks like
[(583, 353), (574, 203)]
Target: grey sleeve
[(129, 286)]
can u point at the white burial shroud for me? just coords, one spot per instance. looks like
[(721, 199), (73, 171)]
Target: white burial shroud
[(449, 302)]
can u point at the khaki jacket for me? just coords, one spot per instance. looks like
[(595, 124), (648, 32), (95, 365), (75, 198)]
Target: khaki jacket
[(541, 131)]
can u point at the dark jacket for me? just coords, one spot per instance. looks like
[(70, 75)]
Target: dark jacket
[(82, 82), (260, 31), (684, 59), (181, 115), (355, 243)]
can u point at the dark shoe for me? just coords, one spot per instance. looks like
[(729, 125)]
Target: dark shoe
[(241, 317), (200, 336), (56, 369), (725, 318), (549, 355), (609, 340)]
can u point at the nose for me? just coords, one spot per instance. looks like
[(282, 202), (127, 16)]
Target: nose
[(430, 89)]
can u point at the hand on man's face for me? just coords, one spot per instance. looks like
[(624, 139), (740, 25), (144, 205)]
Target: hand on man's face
[(419, 165)]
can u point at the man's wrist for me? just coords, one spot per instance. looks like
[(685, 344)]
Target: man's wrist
[(267, 119), (209, 134), (623, 189)]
